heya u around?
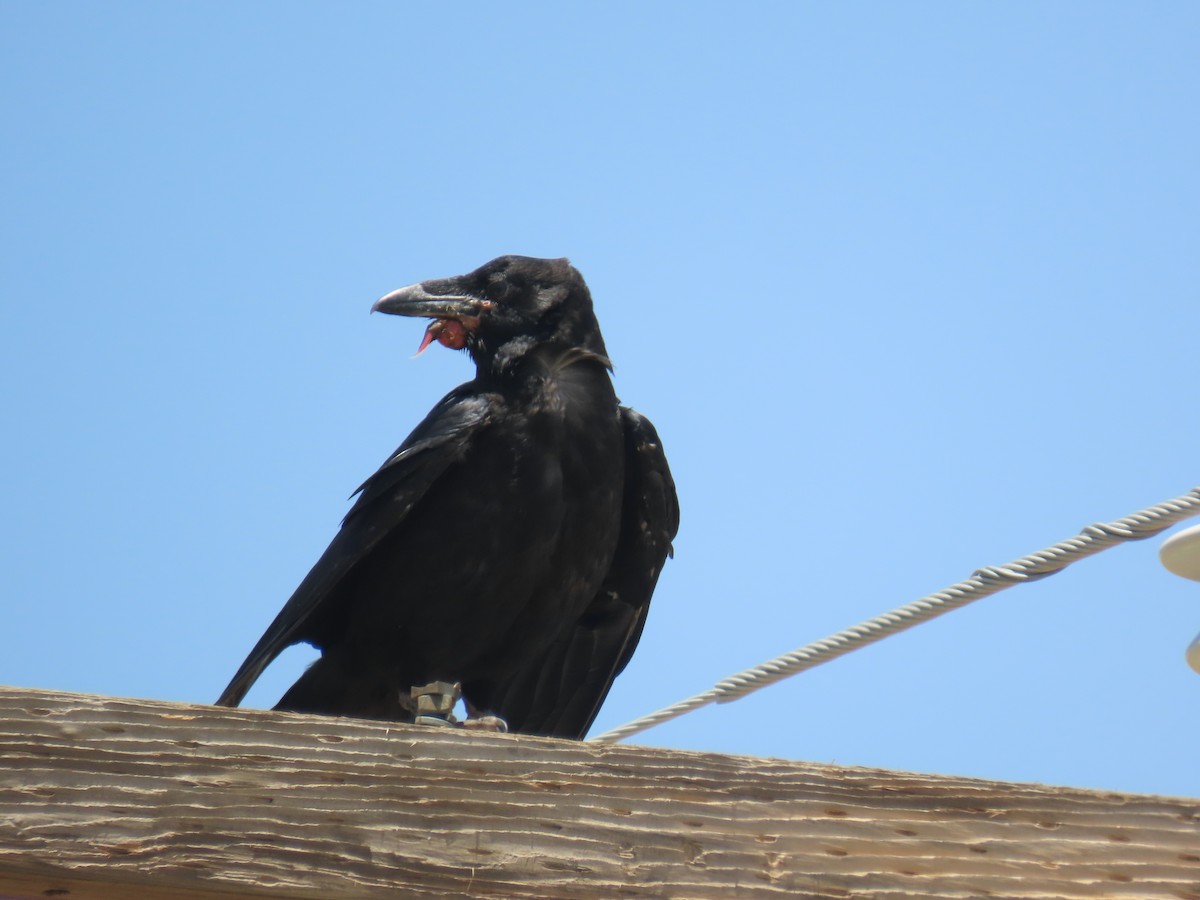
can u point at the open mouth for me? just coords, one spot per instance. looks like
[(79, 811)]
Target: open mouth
[(448, 332)]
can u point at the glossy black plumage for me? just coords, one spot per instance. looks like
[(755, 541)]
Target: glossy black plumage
[(512, 542)]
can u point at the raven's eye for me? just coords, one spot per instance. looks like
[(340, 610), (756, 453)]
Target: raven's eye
[(497, 289)]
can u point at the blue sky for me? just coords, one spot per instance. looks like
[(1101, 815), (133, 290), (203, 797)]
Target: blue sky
[(907, 289)]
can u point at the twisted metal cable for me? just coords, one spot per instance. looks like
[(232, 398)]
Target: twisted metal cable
[(982, 583)]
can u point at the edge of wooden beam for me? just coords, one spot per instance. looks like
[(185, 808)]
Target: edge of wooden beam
[(104, 797)]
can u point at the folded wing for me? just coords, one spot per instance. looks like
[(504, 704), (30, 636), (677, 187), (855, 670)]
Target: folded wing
[(560, 693), (384, 501)]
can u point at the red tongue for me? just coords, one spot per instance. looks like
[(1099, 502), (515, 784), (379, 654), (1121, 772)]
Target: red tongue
[(447, 332), (434, 329)]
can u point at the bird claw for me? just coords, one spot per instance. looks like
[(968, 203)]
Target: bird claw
[(494, 724), (433, 704)]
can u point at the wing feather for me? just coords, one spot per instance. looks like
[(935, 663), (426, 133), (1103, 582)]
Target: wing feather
[(560, 693), (384, 501)]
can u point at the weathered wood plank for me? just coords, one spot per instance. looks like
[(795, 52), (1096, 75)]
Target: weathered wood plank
[(103, 798)]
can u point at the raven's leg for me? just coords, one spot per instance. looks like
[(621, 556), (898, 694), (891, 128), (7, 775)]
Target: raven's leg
[(483, 721)]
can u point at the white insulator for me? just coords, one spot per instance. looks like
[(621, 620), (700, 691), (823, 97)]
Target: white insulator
[(1180, 553), (1193, 654)]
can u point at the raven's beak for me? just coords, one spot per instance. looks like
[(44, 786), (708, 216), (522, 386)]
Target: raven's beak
[(430, 299), (455, 314)]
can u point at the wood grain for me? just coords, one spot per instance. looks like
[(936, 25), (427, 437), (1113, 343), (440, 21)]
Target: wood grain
[(104, 798)]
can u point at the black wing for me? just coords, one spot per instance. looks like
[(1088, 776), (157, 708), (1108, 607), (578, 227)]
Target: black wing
[(384, 501), (560, 693)]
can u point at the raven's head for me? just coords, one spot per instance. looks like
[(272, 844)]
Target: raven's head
[(503, 309)]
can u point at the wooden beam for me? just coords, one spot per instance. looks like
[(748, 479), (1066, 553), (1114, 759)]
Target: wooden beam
[(103, 798)]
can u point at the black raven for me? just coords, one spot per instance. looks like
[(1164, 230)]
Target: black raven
[(511, 544)]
